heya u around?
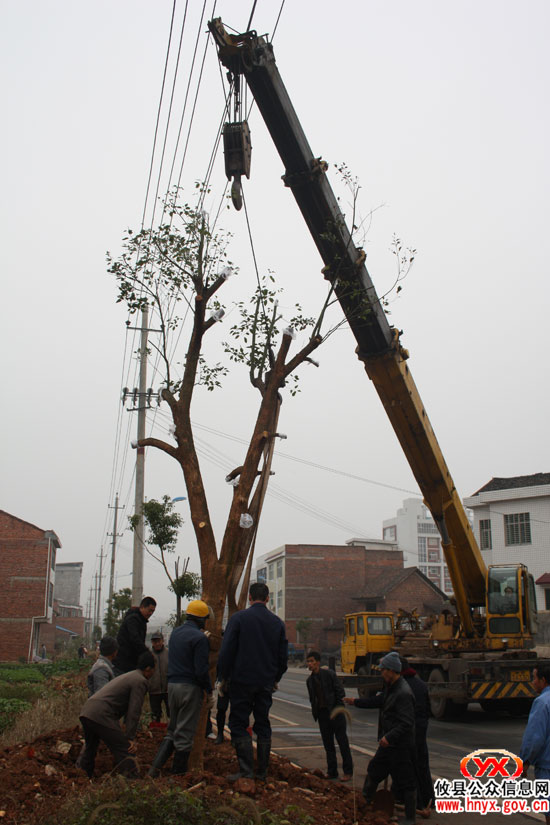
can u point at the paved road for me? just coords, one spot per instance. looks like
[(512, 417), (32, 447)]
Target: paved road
[(297, 736)]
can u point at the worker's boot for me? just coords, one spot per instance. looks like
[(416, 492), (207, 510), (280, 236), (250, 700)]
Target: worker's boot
[(263, 750), (409, 798), (162, 755), (179, 765), (245, 755), (369, 789)]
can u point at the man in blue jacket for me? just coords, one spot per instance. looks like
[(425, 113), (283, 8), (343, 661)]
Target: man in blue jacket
[(188, 685), (535, 747), (253, 657)]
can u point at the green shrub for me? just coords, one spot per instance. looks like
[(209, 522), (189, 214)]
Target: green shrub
[(116, 802), (63, 666), (9, 709), (28, 692), (20, 673)]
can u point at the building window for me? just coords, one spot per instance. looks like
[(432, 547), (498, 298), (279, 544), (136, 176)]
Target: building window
[(547, 599), (279, 600), (389, 533), (422, 549), (517, 529), (424, 569), (426, 527), (433, 550), (485, 537), (434, 574), (261, 575), (50, 594), (271, 569), (279, 568), (52, 560), (448, 586)]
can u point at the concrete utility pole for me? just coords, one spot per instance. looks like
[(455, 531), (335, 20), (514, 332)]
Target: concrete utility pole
[(137, 574), (114, 534), (95, 606), (99, 621)]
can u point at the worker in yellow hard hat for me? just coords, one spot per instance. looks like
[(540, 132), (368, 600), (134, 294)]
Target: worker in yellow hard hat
[(189, 686)]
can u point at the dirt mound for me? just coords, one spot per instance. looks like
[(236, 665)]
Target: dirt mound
[(36, 778)]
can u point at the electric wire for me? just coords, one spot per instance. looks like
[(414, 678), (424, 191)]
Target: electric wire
[(117, 446)]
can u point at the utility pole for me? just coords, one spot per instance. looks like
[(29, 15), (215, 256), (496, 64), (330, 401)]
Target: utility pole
[(94, 624), (114, 534), (99, 621), (137, 574)]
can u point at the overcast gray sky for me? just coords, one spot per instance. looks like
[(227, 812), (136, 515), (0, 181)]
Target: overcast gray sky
[(439, 108)]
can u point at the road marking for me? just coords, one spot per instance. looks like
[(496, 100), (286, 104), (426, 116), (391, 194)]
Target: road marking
[(359, 749), (282, 719), (289, 702)]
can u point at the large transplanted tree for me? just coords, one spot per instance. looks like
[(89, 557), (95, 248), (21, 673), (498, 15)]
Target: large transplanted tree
[(183, 260)]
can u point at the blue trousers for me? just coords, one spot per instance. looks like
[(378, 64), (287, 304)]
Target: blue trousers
[(245, 700)]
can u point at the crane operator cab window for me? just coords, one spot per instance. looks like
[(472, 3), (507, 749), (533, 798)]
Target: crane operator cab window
[(380, 626), (503, 601)]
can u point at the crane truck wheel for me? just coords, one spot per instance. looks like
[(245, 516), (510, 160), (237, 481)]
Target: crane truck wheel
[(438, 704), (441, 706), (363, 691)]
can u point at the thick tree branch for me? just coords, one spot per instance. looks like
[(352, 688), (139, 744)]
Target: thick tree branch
[(160, 445), (298, 359)]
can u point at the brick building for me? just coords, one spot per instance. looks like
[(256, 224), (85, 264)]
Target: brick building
[(323, 582), (27, 578)]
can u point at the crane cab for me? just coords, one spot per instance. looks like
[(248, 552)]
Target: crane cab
[(511, 606)]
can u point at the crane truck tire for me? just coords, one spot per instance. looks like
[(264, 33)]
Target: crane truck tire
[(443, 707)]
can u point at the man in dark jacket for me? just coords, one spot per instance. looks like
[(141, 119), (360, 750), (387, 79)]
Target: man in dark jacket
[(131, 636), (188, 686), (325, 694), (395, 751), (122, 696), (425, 788), (253, 656)]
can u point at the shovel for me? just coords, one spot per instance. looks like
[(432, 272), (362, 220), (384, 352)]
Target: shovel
[(383, 800)]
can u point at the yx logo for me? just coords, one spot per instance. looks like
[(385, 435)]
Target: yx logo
[(491, 763)]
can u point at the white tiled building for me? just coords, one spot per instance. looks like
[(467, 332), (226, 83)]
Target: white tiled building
[(270, 568), (416, 534), (512, 524)]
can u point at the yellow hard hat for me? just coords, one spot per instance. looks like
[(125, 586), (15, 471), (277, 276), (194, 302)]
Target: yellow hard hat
[(197, 608)]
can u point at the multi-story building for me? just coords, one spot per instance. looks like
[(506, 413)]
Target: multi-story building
[(27, 578), (512, 524), (320, 583), (416, 534), (68, 579)]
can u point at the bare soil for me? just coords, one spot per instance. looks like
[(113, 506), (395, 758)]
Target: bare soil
[(37, 777)]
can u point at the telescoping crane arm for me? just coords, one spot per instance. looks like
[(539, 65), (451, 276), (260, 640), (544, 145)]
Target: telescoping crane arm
[(378, 344)]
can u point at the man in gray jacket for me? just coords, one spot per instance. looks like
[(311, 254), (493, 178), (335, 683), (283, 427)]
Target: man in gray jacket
[(101, 671), (158, 684), (122, 696)]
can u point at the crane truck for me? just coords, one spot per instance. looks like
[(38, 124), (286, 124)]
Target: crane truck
[(481, 651)]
